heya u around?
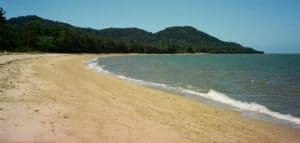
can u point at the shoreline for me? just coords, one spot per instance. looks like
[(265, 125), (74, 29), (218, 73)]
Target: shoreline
[(57, 98), (260, 112)]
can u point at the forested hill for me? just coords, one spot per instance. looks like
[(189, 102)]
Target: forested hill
[(32, 33)]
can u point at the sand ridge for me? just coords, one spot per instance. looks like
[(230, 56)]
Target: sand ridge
[(56, 98)]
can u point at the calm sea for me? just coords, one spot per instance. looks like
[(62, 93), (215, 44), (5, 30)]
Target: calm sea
[(262, 86)]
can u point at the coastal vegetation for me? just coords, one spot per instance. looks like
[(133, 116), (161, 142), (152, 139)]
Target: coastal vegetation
[(33, 33)]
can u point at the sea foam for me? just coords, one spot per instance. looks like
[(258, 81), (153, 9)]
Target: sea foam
[(253, 107), (93, 65), (211, 95)]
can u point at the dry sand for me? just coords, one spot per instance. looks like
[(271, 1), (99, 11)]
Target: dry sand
[(55, 98)]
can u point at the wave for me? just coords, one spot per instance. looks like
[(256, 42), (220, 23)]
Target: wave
[(253, 107), (93, 65), (211, 95)]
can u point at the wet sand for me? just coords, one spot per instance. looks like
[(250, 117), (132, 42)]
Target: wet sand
[(56, 98)]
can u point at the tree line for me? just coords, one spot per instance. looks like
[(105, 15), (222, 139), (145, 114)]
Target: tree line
[(32, 33)]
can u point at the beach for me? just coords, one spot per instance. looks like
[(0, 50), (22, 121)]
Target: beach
[(56, 98)]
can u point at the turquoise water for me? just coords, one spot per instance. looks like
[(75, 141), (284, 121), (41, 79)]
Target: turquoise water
[(266, 84)]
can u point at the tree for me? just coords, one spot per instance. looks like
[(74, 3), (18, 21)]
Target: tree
[(2, 17), (3, 33)]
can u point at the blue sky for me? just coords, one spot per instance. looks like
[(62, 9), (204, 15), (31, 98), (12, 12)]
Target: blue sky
[(269, 25)]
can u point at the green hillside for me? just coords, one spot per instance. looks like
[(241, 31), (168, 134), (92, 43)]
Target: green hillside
[(33, 33)]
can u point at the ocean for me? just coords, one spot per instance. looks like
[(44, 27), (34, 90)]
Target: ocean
[(262, 86)]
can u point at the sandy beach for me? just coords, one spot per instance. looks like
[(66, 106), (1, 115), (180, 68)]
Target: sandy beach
[(48, 98)]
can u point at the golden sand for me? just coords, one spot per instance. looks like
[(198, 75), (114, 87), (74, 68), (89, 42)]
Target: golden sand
[(56, 98)]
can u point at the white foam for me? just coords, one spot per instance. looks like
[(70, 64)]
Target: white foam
[(211, 95), (141, 81), (254, 107), (93, 65)]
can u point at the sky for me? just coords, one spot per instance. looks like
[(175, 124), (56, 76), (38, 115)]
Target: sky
[(269, 25)]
